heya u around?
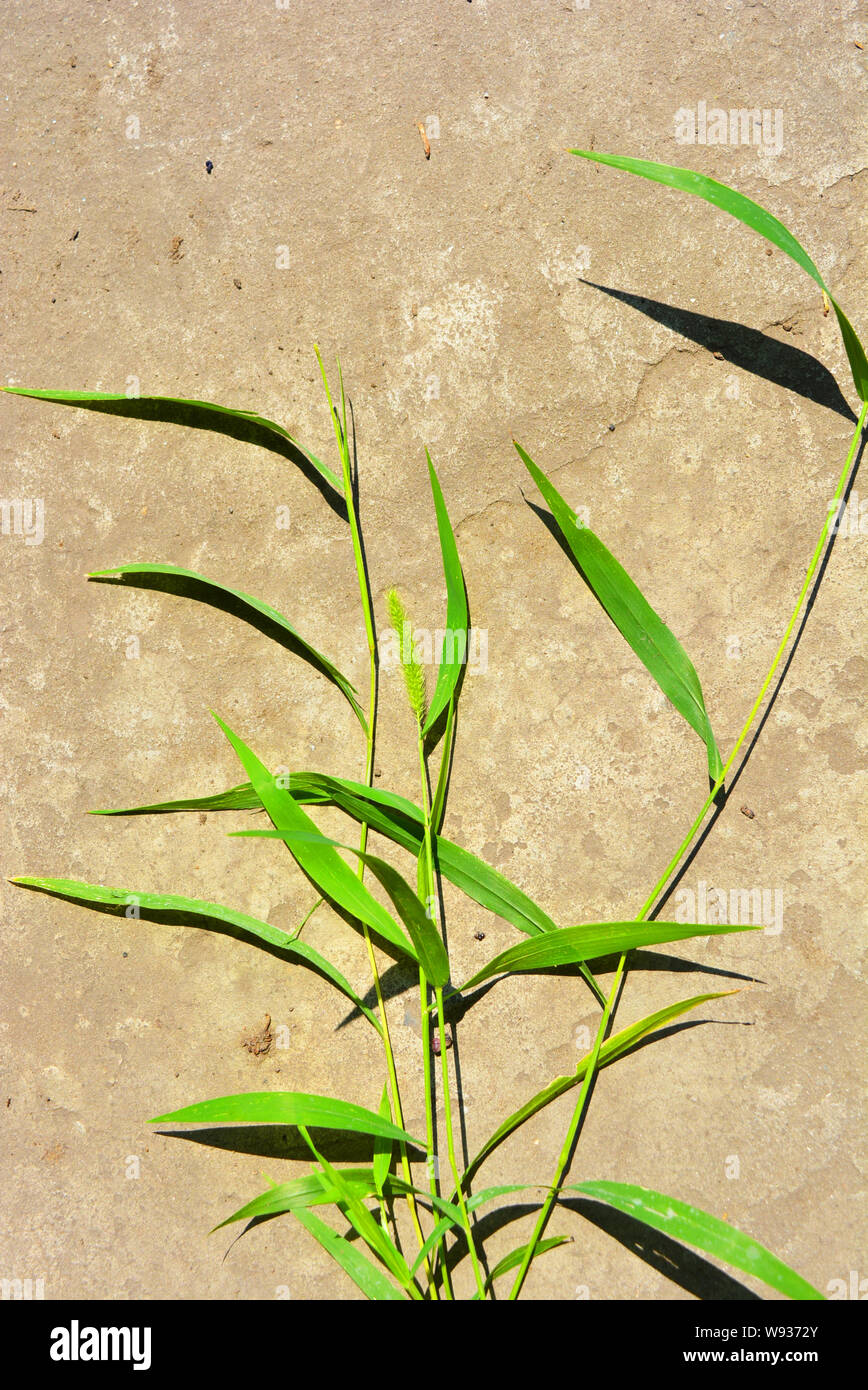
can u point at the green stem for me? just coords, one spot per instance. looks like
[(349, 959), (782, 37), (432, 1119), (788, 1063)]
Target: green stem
[(450, 1144), (367, 607), (676, 859), (431, 906), (426, 891)]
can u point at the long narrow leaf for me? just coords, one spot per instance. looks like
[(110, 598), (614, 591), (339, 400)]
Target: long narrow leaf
[(171, 902), (240, 798), (369, 1278), (457, 617), (377, 1239), (682, 1222), (569, 945), (138, 405), (301, 1192), (332, 875), (287, 1108), (256, 605), (652, 641), (420, 928), (753, 216), (616, 1046)]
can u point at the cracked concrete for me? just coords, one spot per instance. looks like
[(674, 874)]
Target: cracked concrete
[(501, 288)]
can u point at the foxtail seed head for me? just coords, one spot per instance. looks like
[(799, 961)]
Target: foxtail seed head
[(414, 671)]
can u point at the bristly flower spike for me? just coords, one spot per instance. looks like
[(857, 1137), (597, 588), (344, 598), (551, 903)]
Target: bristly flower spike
[(414, 671)]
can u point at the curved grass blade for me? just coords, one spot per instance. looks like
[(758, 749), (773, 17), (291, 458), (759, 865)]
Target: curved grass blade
[(149, 407), (422, 932), (323, 865), (652, 641), (287, 1108), (759, 220), (514, 1259), (616, 1046), (695, 1227), (146, 903), (310, 653), (366, 1275), (568, 945), (375, 1236), (457, 616), (301, 1192), (310, 1191)]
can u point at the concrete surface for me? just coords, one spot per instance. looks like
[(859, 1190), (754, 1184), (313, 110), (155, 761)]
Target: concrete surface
[(470, 296)]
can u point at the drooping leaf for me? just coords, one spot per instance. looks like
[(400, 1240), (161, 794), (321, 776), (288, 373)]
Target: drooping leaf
[(457, 618), (377, 1239), (423, 933), (363, 1272), (568, 945), (146, 903), (759, 220), (287, 1108), (332, 875), (320, 662), (617, 1046), (695, 1227), (652, 641), (149, 407)]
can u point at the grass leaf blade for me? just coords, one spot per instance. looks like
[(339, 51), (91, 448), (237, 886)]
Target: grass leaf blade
[(616, 1046), (515, 1257), (149, 903), (457, 616), (363, 1272), (287, 1108), (695, 1227), (167, 408), (252, 605), (652, 641), (420, 928), (569, 945), (300, 1192), (755, 217), (320, 861)]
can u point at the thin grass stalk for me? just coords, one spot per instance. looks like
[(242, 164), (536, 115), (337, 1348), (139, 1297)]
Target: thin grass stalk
[(441, 1029), (608, 1011), (426, 891), (340, 430)]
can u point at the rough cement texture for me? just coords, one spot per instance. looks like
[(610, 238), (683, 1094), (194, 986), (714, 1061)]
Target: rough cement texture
[(493, 289)]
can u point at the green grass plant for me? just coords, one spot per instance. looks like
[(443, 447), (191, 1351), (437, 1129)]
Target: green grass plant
[(421, 1254)]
